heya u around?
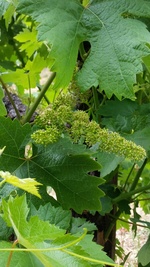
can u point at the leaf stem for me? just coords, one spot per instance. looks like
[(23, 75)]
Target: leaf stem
[(128, 177), (11, 253), (132, 223), (137, 177), (83, 53), (130, 194), (38, 99), (10, 98), (96, 103), (45, 97)]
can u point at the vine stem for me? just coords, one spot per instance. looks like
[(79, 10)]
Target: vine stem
[(10, 98), (32, 109), (111, 225)]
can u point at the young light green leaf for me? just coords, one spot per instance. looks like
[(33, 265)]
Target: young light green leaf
[(29, 76), (28, 184), (29, 41)]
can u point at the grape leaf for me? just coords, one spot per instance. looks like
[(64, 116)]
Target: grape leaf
[(118, 42), (143, 254), (28, 76), (93, 250), (32, 231), (141, 137), (3, 6), (106, 205), (55, 215), (28, 184), (116, 48), (59, 165), (14, 137), (109, 162), (77, 225), (132, 121), (5, 231), (21, 259), (2, 106), (51, 30), (29, 41), (59, 248)]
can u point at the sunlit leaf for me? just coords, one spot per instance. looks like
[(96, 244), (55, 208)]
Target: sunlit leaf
[(28, 184)]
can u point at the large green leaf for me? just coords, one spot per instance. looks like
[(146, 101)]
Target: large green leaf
[(118, 42), (59, 165), (132, 121), (117, 46), (64, 34), (28, 230), (48, 243)]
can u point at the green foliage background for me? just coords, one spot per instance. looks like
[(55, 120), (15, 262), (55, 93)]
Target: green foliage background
[(99, 52)]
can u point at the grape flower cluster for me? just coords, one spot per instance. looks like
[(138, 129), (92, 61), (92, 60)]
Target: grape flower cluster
[(61, 117)]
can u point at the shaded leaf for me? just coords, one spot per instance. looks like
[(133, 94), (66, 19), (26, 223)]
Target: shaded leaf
[(55, 215), (3, 6), (108, 161), (58, 165), (77, 225), (107, 205), (5, 231), (143, 254)]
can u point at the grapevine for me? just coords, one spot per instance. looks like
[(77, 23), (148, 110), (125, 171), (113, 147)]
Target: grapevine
[(61, 118)]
